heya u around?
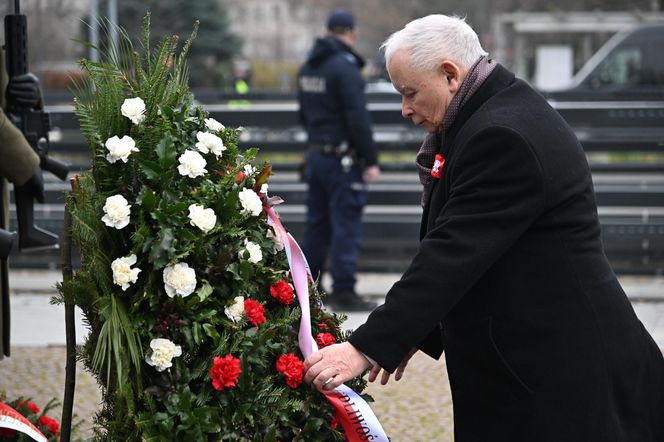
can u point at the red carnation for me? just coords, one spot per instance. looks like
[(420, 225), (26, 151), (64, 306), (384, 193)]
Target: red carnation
[(240, 177), (323, 326), (282, 292), (254, 311), (29, 405), (292, 368), (325, 339), (50, 423), (225, 372)]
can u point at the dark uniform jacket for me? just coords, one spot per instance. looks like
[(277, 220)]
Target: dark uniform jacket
[(542, 345), (333, 108)]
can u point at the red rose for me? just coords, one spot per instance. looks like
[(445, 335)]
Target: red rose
[(240, 177), (324, 339), (323, 326), (50, 423), (282, 292), (254, 311), (225, 372), (29, 405), (292, 368)]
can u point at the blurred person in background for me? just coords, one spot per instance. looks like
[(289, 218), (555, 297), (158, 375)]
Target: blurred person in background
[(510, 278), (341, 159)]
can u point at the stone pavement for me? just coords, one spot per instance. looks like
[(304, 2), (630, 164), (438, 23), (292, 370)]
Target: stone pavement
[(418, 406)]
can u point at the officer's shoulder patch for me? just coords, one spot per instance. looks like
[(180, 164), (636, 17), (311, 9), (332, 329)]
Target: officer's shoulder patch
[(350, 58)]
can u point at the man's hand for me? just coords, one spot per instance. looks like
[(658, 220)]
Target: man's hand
[(25, 91), (370, 174), (334, 365), (385, 378)]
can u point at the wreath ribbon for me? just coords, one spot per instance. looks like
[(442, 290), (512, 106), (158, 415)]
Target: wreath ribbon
[(13, 420), (356, 417)]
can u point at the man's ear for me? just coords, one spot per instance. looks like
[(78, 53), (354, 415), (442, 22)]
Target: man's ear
[(452, 73)]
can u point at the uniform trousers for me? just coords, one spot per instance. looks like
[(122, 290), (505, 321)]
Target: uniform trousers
[(335, 202)]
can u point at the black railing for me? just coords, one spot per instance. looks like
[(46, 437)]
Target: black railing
[(630, 194)]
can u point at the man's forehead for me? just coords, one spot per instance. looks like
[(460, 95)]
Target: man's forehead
[(398, 69)]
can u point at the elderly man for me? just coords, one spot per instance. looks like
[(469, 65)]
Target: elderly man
[(510, 278)]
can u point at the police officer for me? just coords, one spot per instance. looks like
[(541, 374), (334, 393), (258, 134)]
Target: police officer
[(341, 160)]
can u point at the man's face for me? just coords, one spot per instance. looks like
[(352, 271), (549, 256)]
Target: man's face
[(425, 95)]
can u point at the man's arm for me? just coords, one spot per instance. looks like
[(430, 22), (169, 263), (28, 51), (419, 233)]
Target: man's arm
[(496, 192), (18, 160)]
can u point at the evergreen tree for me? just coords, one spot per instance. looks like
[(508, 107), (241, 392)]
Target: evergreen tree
[(215, 45)]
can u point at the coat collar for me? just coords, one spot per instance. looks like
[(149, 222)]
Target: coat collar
[(498, 80)]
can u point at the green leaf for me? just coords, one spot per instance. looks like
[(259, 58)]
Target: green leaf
[(166, 152), (204, 291), (270, 434), (147, 198), (197, 332), (212, 333), (151, 169), (116, 336)]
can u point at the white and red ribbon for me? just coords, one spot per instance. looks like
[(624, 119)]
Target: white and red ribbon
[(13, 420), (356, 417)]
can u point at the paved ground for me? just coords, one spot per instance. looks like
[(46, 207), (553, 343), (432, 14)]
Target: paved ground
[(418, 408)]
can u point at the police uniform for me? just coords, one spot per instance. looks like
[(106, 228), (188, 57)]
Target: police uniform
[(333, 111)]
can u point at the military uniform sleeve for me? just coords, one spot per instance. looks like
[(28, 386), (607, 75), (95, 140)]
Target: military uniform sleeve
[(496, 192), (18, 160)]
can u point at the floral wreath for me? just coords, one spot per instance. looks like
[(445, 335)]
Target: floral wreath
[(184, 285)]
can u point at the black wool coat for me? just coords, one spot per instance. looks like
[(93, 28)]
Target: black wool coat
[(510, 278)]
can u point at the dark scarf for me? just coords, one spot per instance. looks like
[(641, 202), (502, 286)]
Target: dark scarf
[(425, 157)]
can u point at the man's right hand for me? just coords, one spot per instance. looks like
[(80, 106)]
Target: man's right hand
[(371, 174)]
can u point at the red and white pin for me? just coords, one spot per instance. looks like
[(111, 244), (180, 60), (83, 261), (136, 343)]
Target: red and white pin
[(438, 163)]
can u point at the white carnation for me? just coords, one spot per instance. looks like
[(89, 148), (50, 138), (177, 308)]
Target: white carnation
[(117, 211), (278, 245), (213, 125), (120, 148), (208, 142), (264, 188), (179, 279), (134, 109), (251, 203), (235, 312), (123, 274), (255, 254), (201, 217), (163, 352), (192, 164), (249, 169)]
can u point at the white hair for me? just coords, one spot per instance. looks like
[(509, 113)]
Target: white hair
[(429, 40)]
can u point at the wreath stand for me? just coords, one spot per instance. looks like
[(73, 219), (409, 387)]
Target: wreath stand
[(70, 328)]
